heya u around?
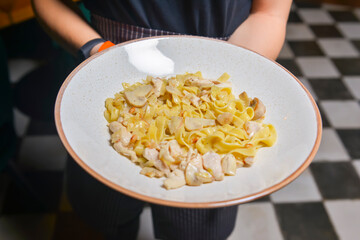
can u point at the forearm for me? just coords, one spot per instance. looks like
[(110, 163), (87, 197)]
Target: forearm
[(264, 30), (261, 33), (63, 23)]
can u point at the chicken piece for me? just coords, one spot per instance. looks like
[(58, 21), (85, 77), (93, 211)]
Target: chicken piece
[(165, 155), (150, 154), (197, 161), (202, 83), (249, 161), (176, 179), (183, 164), (259, 108), (119, 147), (212, 163), (194, 173), (174, 148), (204, 176), (115, 126), (151, 172), (193, 98), (190, 175), (251, 128), (186, 159), (224, 85), (228, 164), (225, 118), (122, 135), (170, 151), (198, 123), (163, 167), (191, 156), (175, 123), (157, 83), (183, 155)]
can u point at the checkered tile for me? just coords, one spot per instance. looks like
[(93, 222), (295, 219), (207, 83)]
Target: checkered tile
[(331, 148), (322, 49)]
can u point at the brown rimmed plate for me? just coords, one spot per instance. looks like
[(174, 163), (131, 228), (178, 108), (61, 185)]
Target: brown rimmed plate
[(290, 108)]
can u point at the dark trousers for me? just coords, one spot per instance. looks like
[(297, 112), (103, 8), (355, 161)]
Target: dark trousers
[(7, 133), (117, 215)]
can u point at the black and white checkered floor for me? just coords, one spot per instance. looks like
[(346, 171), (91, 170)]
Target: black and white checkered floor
[(323, 50)]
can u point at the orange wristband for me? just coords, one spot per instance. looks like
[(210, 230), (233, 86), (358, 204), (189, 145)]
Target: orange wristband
[(105, 45)]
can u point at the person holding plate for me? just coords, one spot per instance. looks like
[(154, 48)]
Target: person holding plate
[(258, 25)]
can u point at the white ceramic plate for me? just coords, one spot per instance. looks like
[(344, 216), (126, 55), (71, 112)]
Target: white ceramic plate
[(290, 108)]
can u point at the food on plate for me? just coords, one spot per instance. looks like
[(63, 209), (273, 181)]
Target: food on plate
[(187, 128)]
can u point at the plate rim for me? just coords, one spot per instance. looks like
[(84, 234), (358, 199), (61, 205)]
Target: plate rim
[(171, 203)]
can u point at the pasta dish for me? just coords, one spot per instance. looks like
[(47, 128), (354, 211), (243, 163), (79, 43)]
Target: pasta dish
[(187, 128)]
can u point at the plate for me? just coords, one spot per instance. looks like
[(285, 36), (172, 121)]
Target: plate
[(290, 108)]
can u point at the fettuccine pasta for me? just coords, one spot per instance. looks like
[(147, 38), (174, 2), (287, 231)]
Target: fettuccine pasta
[(186, 128)]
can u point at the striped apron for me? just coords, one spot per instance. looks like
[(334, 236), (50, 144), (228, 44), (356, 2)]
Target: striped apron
[(117, 32)]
